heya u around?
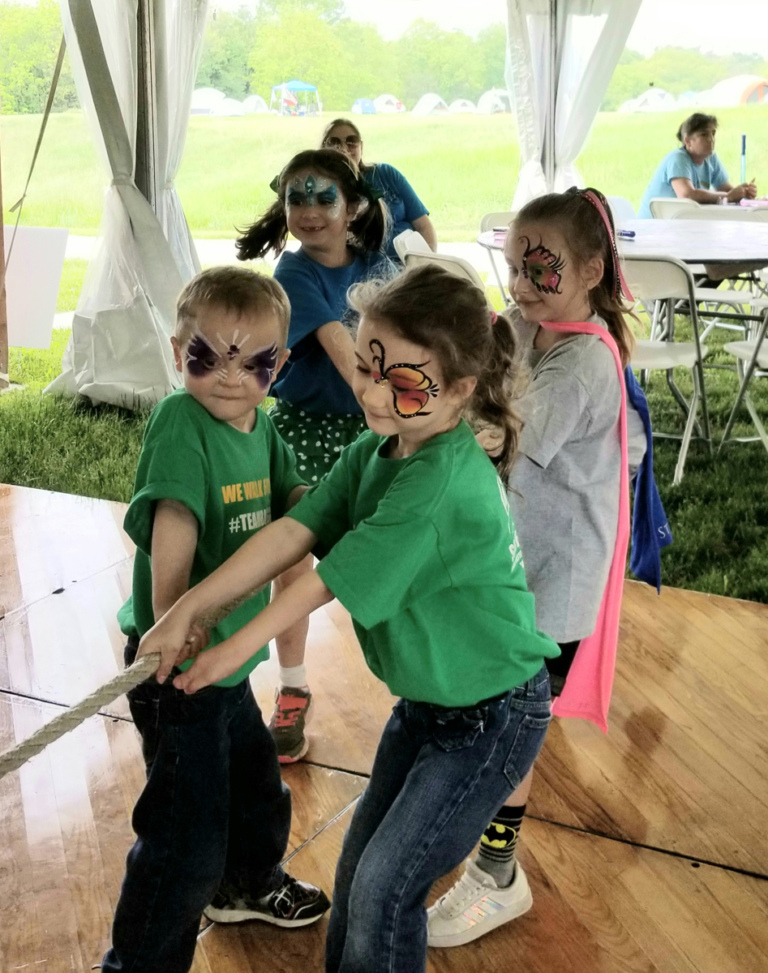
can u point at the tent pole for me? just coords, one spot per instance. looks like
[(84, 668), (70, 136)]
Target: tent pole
[(146, 116), (4, 382), (549, 131)]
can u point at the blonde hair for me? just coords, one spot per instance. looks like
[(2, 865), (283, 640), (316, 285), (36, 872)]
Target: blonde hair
[(234, 289)]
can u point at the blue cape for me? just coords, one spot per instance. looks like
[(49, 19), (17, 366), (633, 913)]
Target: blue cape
[(650, 529)]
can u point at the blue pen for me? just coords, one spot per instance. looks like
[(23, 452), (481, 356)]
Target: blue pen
[(743, 158), (626, 234)]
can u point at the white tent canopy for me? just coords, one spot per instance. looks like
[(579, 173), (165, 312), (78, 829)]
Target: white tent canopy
[(385, 104), (429, 104), (120, 351), (493, 101), (461, 106), (560, 58), (653, 99), (255, 104)]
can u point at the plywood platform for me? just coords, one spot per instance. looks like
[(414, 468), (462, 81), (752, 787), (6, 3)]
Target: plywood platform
[(647, 849)]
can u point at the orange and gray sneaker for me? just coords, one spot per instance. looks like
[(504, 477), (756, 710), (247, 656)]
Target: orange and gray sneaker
[(291, 715)]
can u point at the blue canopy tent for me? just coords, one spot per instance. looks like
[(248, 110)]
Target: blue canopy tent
[(295, 98)]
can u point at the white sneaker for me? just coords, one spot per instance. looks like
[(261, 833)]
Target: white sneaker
[(475, 905)]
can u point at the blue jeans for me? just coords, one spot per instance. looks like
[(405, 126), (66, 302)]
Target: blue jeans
[(214, 807), (439, 777)]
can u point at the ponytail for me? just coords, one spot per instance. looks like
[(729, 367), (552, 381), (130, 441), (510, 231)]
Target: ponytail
[(366, 231)]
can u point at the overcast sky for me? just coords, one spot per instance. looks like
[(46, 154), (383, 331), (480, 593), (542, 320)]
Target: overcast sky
[(739, 26)]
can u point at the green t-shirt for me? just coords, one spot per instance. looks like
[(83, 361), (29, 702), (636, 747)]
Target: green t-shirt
[(423, 554), (233, 482)]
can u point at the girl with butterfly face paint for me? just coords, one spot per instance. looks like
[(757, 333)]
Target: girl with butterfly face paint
[(416, 541), (569, 495), (327, 206)]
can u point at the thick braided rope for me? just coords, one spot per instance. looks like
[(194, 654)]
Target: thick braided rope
[(142, 669)]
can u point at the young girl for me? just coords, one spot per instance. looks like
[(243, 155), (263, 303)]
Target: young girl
[(569, 494), (406, 209), (340, 224), (418, 545)]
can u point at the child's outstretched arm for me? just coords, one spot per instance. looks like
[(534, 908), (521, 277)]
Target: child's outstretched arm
[(296, 602), (276, 547)]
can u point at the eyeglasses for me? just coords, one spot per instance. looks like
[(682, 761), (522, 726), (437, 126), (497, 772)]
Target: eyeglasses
[(336, 143)]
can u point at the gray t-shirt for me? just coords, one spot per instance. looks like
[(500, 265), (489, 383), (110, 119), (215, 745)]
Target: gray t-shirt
[(564, 486)]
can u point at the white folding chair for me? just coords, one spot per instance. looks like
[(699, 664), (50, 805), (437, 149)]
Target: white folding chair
[(669, 280), (666, 208), (410, 240), (621, 208), (751, 359), (493, 221), (456, 265)]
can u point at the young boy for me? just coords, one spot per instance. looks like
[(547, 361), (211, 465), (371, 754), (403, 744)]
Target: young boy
[(213, 820)]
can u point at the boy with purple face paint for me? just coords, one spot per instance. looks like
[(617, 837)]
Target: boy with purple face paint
[(213, 821)]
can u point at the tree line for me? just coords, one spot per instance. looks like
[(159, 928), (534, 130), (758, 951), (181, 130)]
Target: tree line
[(249, 50)]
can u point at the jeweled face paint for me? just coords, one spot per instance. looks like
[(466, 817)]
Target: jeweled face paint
[(314, 191), (411, 387), (542, 267), (202, 359)]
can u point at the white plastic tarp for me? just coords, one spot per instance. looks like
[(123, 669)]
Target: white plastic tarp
[(560, 58), (120, 350)]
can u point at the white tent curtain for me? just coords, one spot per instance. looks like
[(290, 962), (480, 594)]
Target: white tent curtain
[(120, 349), (560, 58)]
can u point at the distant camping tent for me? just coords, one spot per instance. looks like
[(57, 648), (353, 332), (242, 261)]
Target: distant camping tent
[(429, 104), (745, 89), (295, 98), (388, 104), (494, 101), (255, 104), (652, 99), (462, 106), (229, 108), (364, 106), (205, 100)]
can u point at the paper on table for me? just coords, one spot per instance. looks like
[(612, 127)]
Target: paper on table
[(32, 283)]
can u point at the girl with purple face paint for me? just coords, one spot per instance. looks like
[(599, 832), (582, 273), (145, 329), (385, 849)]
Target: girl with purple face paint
[(323, 201), (569, 494), (413, 530)]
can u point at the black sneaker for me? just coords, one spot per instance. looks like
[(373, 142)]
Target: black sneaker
[(291, 905)]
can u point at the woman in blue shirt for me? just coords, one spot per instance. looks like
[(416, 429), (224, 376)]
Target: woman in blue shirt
[(693, 171), (406, 209)]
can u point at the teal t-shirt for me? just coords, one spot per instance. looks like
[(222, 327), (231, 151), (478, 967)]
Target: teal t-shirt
[(423, 554), (233, 482), (677, 164)]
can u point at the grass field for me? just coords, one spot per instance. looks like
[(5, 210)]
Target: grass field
[(461, 165)]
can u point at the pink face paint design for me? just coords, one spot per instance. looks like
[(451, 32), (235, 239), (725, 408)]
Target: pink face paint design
[(542, 267), (411, 387)]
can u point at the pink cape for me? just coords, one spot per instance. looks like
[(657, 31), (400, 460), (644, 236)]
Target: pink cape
[(587, 691)]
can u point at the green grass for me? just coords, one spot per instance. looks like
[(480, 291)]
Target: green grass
[(461, 165)]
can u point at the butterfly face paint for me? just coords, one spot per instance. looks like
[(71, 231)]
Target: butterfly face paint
[(311, 190), (203, 359), (411, 387), (542, 267)]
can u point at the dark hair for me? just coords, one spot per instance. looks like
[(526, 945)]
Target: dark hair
[(587, 236), (697, 122), (234, 289), (451, 316), (270, 231)]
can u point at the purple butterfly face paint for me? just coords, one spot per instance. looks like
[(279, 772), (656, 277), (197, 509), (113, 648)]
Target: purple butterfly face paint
[(203, 359), (542, 267)]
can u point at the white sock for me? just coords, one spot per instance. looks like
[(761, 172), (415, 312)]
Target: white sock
[(293, 677)]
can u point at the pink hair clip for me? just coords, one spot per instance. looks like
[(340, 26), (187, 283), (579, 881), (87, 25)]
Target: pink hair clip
[(494, 317)]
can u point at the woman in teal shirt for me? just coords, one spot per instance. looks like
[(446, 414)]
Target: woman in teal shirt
[(693, 171)]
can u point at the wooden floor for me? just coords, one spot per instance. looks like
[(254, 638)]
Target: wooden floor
[(647, 849)]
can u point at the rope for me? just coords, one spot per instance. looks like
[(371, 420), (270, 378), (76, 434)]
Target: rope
[(142, 669)]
